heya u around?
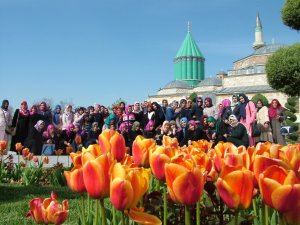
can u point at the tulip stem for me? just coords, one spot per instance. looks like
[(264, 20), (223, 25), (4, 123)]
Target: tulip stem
[(255, 212), (236, 217), (102, 208), (266, 209), (165, 204), (198, 216), (187, 215), (96, 212), (114, 216), (82, 210), (122, 219)]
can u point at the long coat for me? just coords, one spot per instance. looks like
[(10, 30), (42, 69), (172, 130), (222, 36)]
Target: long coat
[(250, 119), (262, 117)]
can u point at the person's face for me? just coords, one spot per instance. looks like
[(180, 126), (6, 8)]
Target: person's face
[(183, 124), (122, 104), (129, 109), (259, 104), (189, 103), (167, 126), (207, 104), (112, 127), (76, 129), (23, 106), (233, 122), (58, 110), (33, 110), (154, 107), (5, 106), (191, 127), (91, 111), (101, 108), (183, 104), (211, 124), (175, 105), (205, 121), (242, 100), (164, 103), (199, 102), (106, 110), (42, 107), (220, 106), (95, 127), (42, 126), (234, 99), (151, 127), (80, 111), (274, 104), (51, 130), (149, 108)]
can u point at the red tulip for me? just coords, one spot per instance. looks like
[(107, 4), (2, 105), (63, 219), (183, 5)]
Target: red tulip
[(48, 211), (18, 146), (75, 179), (3, 145), (25, 152), (140, 150), (35, 159), (236, 189), (185, 186), (112, 141), (96, 174)]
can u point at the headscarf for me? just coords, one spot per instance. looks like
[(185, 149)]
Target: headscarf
[(243, 106), (45, 108), (164, 128), (273, 112), (47, 134), (183, 119), (233, 117), (172, 122), (182, 101), (38, 124), (109, 118), (193, 123), (69, 127), (209, 101), (33, 107), (199, 98), (123, 127), (56, 115), (24, 112), (211, 119), (225, 104), (3, 103), (135, 125), (149, 124), (95, 124)]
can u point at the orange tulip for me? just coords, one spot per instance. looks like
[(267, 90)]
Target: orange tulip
[(170, 142), (48, 211), (158, 158), (204, 145), (25, 152), (75, 179), (96, 174), (45, 159), (112, 141), (291, 155), (78, 139), (143, 218), (185, 186), (3, 145), (140, 150), (236, 189), (29, 156), (58, 152), (18, 146), (76, 158), (35, 159), (128, 185), (280, 189)]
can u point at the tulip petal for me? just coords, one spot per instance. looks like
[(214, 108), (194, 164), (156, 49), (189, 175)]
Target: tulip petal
[(157, 164), (121, 193), (36, 210), (283, 197), (104, 138), (143, 218), (227, 194), (267, 186), (75, 180), (292, 217), (118, 148)]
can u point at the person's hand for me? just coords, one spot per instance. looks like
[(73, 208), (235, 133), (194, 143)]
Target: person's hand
[(225, 135), (226, 121), (214, 136), (49, 141), (189, 142)]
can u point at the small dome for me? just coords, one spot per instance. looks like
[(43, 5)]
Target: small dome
[(268, 49), (177, 84), (210, 82)]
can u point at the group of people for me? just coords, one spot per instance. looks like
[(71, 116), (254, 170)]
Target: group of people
[(231, 120)]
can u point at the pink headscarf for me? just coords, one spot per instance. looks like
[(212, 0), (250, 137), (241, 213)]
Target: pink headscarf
[(225, 104), (273, 112), (149, 124), (46, 133), (69, 127)]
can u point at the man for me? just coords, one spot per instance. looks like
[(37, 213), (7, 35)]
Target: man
[(5, 121)]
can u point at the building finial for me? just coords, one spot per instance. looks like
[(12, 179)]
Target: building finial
[(259, 42), (189, 26)]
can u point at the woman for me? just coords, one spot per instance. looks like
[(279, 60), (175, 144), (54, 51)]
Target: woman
[(224, 113), (210, 109), (93, 134), (67, 117), (238, 135), (165, 130), (192, 134), (149, 115), (247, 114), (21, 124), (149, 131), (57, 117), (262, 118), (45, 113), (34, 117), (80, 137), (50, 136), (276, 118), (213, 129), (34, 141), (5, 121), (67, 137), (128, 116), (180, 134), (136, 130), (159, 116)]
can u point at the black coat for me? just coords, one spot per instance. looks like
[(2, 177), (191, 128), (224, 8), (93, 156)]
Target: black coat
[(34, 141), (239, 136), (195, 113)]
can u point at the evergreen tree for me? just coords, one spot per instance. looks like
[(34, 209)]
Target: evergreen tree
[(290, 116)]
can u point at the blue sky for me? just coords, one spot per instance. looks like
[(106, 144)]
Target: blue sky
[(98, 51)]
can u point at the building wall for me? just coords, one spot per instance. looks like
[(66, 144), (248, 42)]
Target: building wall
[(245, 80), (250, 61)]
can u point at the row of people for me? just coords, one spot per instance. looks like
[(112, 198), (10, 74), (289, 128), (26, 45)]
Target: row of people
[(124, 118)]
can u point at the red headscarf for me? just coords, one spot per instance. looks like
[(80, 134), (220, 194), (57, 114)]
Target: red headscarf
[(273, 112)]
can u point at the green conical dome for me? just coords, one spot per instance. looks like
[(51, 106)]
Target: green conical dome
[(189, 48), (189, 62)]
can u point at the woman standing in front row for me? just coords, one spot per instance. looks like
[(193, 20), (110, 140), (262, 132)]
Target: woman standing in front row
[(276, 118), (262, 118)]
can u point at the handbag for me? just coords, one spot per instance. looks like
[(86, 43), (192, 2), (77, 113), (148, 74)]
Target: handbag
[(256, 129), (48, 149)]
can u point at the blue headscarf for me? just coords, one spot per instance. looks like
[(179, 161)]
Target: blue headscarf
[(183, 119), (56, 115)]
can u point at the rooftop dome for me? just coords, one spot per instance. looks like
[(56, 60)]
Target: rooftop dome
[(177, 84), (268, 49), (210, 82), (189, 48)]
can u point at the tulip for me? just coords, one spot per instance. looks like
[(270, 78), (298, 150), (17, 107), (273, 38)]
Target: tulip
[(280, 189), (45, 159), (140, 150), (112, 141), (236, 189), (58, 152), (185, 186), (35, 159), (143, 218), (69, 150), (96, 174), (25, 152), (204, 145), (75, 179), (78, 140), (3, 145), (29, 156), (48, 211), (18, 146), (170, 142)]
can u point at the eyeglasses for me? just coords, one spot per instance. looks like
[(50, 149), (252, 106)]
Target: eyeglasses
[(199, 101)]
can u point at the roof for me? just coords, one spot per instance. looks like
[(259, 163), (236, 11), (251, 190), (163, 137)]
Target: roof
[(189, 48), (246, 89), (177, 84), (210, 82), (268, 49)]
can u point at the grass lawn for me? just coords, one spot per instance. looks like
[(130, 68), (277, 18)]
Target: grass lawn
[(14, 201)]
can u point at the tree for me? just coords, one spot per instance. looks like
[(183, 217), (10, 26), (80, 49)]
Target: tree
[(290, 14), (116, 103), (193, 96), (261, 97), (283, 70), (290, 116)]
